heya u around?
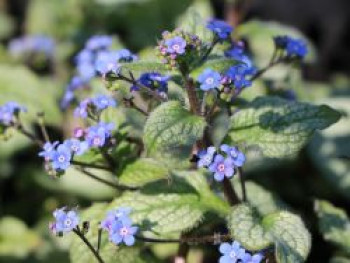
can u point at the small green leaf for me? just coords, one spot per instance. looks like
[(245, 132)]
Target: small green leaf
[(143, 171), (283, 229), (334, 224), (171, 131), (279, 128)]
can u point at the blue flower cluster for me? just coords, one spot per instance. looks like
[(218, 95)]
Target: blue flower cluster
[(65, 221), (237, 77), (233, 253), (177, 46), (32, 44), (294, 47), (97, 57), (154, 81), (119, 227), (9, 112), (59, 156), (220, 28), (222, 164), (95, 105), (238, 52)]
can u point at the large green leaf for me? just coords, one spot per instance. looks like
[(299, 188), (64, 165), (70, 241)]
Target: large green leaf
[(143, 171), (283, 229), (109, 252), (334, 224), (173, 205), (171, 131), (279, 128), (16, 240)]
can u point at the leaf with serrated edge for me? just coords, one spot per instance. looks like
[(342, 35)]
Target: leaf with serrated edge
[(279, 128), (171, 131), (334, 224)]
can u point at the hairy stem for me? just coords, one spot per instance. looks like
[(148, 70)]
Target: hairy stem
[(41, 123), (192, 96), (88, 244), (131, 104), (214, 238)]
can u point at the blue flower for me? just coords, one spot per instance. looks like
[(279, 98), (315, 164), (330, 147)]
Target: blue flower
[(121, 214), (9, 111), (237, 156), (176, 45), (67, 98), (82, 109), (99, 42), (107, 62), (153, 80), (84, 56), (65, 221), (96, 135), (123, 231), (231, 253), (102, 102), (222, 167), (296, 47), (124, 55), (48, 149), (61, 158), (238, 75), (206, 157), (86, 71), (76, 146), (209, 79), (76, 83), (281, 41), (237, 52), (248, 258), (220, 28), (27, 44)]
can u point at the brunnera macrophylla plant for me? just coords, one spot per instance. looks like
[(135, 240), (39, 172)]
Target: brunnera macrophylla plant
[(177, 182)]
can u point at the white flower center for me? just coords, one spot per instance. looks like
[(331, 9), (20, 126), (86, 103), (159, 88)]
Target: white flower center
[(75, 148), (61, 158), (176, 47), (209, 81), (232, 254), (234, 154), (97, 141), (67, 222), (221, 167), (123, 231)]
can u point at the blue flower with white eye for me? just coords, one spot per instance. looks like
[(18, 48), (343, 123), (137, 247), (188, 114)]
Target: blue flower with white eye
[(231, 252), (206, 157), (65, 221), (121, 214), (123, 232), (124, 55), (220, 28), (238, 75), (9, 111), (102, 102), (175, 45), (99, 42), (107, 62), (209, 79), (238, 158), (97, 135), (76, 146), (248, 258), (222, 167), (296, 47), (48, 149), (61, 158)]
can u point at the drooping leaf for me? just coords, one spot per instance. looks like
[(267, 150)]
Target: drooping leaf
[(282, 229), (171, 131), (334, 224), (143, 171), (277, 127)]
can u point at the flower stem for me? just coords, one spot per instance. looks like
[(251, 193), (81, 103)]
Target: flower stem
[(88, 244), (90, 165), (242, 180), (230, 193), (214, 238), (192, 96)]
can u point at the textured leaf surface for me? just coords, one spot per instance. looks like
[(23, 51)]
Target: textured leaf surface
[(279, 128), (109, 252), (334, 224), (283, 229), (171, 131), (143, 171)]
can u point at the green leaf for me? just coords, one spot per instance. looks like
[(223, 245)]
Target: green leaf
[(16, 240), (139, 67), (171, 131), (339, 259), (217, 64), (172, 206), (334, 224), (143, 171), (109, 252), (277, 127), (283, 229)]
